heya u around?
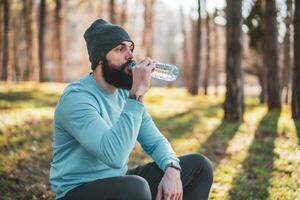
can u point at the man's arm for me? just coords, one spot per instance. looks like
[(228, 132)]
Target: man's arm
[(78, 115), (155, 144), (158, 147)]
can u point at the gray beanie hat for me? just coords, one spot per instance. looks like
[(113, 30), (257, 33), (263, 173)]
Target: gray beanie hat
[(101, 37)]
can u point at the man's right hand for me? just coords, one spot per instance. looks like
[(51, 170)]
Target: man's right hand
[(141, 77)]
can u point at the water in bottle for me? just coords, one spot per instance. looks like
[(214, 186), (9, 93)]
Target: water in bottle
[(162, 71)]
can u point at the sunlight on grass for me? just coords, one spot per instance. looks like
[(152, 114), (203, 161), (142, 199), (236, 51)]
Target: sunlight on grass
[(165, 102), (190, 123), (237, 151), (285, 181), (30, 86), (16, 117), (190, 142)]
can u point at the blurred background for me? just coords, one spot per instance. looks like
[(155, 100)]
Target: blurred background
[(236, 100), (42, 40)]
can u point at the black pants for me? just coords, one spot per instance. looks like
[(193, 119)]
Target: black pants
[(141, 183)]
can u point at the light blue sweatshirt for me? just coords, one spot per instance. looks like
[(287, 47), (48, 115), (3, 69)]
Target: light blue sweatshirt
[(94, 133)]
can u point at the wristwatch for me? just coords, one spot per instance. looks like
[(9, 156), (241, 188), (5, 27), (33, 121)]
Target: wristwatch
[(135, 97), (174, 165)]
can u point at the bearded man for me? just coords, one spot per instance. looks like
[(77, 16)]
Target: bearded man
[(99, 118)]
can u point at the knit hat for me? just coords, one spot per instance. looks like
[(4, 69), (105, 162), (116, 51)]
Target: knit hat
[(101, 37)]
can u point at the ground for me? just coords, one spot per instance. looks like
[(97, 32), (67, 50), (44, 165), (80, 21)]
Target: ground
[(256, 159)]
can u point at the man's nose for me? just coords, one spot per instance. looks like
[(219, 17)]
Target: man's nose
[(129, 55)]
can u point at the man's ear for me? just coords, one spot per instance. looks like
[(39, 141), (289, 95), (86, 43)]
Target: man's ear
[(100, 62)]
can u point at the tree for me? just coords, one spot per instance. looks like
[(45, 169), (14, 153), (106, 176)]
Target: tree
[(270, 55), (124, 14), (197, 52), (296, 68), (216, 53), (5, 51), (58, 41), (1, 35), (234, 100), (41, 39), (112, 13), (147, 39), (28, 20), (14, 66), (208, 52), (256, 35), (185, 49), (286, 71)]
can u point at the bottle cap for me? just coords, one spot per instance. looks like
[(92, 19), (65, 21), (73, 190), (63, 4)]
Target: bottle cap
[(131, 63)]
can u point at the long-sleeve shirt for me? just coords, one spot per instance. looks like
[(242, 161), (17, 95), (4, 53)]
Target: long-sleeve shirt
[(94, 133)]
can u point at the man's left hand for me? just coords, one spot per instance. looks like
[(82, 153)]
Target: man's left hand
[(170, 186)]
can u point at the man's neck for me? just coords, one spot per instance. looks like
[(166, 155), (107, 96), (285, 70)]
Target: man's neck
[(97, 75)]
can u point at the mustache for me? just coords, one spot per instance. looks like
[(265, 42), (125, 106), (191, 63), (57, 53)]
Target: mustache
[(126, 68)]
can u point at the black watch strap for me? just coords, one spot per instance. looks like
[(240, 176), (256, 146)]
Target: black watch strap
[(135, 97), (173, 165)]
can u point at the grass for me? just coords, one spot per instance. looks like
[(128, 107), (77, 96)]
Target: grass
[(256, 159)]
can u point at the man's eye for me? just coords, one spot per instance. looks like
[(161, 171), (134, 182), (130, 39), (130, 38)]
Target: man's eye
[(119, 48)]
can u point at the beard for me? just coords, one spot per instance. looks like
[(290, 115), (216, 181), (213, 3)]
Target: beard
[(116, 76)]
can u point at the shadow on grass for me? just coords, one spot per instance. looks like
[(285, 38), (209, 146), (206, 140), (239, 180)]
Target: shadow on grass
[(254, 179), (25, 162), (25, 134), (32, 98), (297, 125), (185, 122), (216, 144)]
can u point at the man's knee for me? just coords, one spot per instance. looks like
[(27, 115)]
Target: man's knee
[(138, 188), (202, 163)]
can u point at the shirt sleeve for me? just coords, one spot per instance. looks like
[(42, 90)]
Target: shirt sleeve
[(155, 144), (78, 115)]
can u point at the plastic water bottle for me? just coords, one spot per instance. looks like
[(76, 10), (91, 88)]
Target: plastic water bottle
[(162, 71)]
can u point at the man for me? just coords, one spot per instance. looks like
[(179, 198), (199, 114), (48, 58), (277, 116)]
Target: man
[(97, 122)]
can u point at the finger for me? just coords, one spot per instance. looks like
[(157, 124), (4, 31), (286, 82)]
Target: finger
[(176, 192), (144, 63), (151, 66), (181, 196), (149, 59), (173, 197), (166, 196), (180, 191), (159, 193), (178, 195)]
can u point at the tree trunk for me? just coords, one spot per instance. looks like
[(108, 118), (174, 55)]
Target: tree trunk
[(234, 100), (124, 14), (112, 13), (1, 36), (28, 20), (262, 78), (58, 42), (15, 67), (271, 55), (296, 70), (207, 69), (186, 60), (216, 55), (147, 40), (197, 52), (286, 71), (100, 8), (41, 35), (5, 55)]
